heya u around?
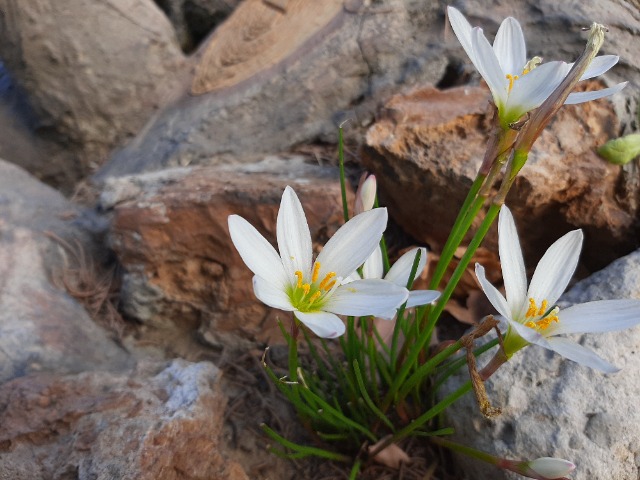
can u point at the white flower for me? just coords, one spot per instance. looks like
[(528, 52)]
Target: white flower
[(313, 291), (519, 85), (550, 468), (532, 314), (399, 274)]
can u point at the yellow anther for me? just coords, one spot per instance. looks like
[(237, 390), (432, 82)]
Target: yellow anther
[(316, 272), (543, 307), (531, 64), (511, 78), (330, 286), (530, 325), (314, 297), (533, 309), (298, 274), (306, 287), (326, 280)]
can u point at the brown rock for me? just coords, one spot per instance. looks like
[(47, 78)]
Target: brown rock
[(94, 72), (429, 144), (170, 233), (161, 422), (43, 328)]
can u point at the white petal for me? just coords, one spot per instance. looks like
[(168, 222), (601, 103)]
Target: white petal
[(422, 297), (462, 28), (556, 268), (294, 238), (599, 65), (600, 316), (366, 297), (530, 90), (353, 243), (552, 467), (258, 254), (400, 271), (513, 271), (492, 293), (510, 48), (581, 355), (323, 324), (529, 334), (581, 97), (489, 67), (373, 266), (271, 295)]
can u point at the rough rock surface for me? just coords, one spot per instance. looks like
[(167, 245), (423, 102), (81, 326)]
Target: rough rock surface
[(428, 145), (555, 407), (367, 52), (195, 19), (94, 72), (341, 71), (43, 329), (160, 422), (170, 233)]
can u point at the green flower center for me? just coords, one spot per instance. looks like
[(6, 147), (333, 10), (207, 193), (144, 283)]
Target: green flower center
[(310, 296)]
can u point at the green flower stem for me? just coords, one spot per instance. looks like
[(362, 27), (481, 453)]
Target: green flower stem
[(367, 398), (424, 418), (343, 184), (489, 218), (457, 233), (425, 334), (302, 450), (355, 470), (468, 451), (428, 367)]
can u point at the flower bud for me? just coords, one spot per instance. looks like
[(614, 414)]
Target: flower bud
[(366, 194), (551, 468)]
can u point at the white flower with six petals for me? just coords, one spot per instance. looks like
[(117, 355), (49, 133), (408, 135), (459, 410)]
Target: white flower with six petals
[(314, 291), (531, 313), (519, 85)]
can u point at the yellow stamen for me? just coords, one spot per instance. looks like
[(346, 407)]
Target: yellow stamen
[(543, 307), (530, 325), (316, 272), (298, 274), (314, 297), (326, 280), (533, 309), (511, 78), (330, 286), (306, 287), (531, 64)]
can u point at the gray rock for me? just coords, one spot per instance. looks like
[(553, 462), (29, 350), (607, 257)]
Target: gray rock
[(93, 72), (42, 328), (342, 73), (555, 407), (195, 19)]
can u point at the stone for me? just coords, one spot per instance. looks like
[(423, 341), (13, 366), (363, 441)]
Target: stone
[(193, 20), (93, 73), (42, 328), (428, 145), (260, 102), (169, 230), (160, 421), (555, 407)]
